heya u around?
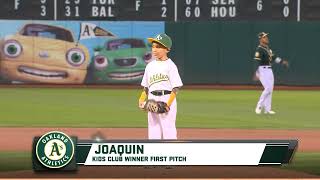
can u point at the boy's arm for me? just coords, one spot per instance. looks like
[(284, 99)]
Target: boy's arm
[(143, 97), (172, 96), (144, 94)]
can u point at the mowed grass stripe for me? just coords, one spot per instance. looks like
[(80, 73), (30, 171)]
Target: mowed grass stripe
[(50, 107)]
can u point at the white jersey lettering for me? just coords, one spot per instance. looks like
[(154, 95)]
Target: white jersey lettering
[(161, 75)]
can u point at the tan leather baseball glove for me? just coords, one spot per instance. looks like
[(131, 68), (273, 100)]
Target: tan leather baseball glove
[(154, 106)]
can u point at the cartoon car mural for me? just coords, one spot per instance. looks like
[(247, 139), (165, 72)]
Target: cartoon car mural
[(121, 60), (41, 53)]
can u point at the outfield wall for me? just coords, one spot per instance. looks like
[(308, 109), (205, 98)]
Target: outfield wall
[(222, 52), (205, 52)]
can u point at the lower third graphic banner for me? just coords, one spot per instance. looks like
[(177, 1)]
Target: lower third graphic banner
[(195, 152)]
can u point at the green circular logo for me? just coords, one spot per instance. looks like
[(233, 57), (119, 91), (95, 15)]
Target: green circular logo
[(55, 149)]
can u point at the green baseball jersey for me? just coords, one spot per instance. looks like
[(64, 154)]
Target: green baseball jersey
[(264, 55)]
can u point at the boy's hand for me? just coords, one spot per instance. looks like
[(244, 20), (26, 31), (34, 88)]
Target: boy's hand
[(141, 105)]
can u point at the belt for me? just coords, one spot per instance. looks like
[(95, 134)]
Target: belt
[(160, 92), (269, 67)]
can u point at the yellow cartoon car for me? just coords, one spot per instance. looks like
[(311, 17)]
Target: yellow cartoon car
[(41, 53)]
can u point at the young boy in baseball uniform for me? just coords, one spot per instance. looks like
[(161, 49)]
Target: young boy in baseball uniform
[(161, 82), (265, 57)]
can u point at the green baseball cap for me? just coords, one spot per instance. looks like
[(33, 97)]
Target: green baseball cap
[(163, 39)]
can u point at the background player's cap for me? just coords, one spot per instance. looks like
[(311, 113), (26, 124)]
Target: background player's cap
[(262, 34), (163, 39)]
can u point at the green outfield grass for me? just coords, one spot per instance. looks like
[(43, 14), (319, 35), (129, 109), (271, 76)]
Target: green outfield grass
[(50, 107), (304, 162), (15, 161)]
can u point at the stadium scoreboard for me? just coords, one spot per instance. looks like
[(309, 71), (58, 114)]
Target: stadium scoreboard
[(161, 10)]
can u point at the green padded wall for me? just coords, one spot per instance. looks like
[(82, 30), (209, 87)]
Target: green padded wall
[(222, 52)]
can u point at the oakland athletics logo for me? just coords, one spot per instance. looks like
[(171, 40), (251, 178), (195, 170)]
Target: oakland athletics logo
[(55, 149), (159, 37)]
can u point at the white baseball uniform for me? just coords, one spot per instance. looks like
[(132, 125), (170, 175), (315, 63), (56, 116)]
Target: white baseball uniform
[(265, 57), (159, 76), (266, 78)]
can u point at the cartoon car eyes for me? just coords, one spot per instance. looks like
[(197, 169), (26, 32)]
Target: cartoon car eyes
[(12, 48), (75, 57), (100, 62)]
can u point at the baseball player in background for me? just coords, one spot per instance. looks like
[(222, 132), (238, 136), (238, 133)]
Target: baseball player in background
[(265, 57), (161, 82)]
